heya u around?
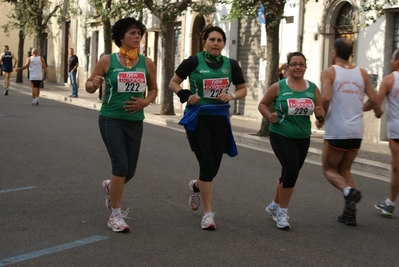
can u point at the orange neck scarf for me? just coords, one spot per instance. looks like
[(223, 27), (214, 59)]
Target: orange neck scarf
[(132, 54)]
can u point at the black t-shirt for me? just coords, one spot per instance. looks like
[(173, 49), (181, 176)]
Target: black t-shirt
[(73, 60), (190, 64)]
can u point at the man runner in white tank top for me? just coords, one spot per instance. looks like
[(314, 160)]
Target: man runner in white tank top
[(343, 88), (389, 88), (36, 66)]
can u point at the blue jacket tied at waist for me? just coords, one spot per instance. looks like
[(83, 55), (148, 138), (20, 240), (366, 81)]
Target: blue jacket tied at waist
[(189, 121)]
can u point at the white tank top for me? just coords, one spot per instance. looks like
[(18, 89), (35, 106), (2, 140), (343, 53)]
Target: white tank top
[(35, 69), (392, 109), (344, 119)]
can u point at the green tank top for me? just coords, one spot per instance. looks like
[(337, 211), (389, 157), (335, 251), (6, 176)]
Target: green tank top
[(293, 109), (122, 84), (208, 83)]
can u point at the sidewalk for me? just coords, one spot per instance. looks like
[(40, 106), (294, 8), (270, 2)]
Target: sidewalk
[(373, 159)]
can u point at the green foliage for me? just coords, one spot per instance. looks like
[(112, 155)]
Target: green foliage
[(33, 17), (373, 10), (370, 10), (108, 9), (168, 11), (241, 9)]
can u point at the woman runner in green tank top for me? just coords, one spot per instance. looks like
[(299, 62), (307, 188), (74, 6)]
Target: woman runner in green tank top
[(127, 76), (295, 100), (207, 117)]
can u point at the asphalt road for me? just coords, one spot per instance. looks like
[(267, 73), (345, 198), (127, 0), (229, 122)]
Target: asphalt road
[(52, 212)]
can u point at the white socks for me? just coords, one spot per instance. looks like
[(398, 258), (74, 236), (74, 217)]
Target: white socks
[(116, 211), (389, 202), (285, 210), (346, 190), (274, 205)]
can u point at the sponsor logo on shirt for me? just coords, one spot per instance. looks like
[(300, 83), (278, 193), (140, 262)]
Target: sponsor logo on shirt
[(131, 77), (287, 93), (226, 71), (204, 71), (300, 103), (309, 94)]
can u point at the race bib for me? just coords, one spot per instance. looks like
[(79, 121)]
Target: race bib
[(300, 106), (131, 82), (214, 87)]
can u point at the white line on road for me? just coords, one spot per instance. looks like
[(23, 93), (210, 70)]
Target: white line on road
[(17, 189), (46, 251)]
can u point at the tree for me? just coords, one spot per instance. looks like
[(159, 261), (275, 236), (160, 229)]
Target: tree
[(17, 22), (105, 10), (167, 12), (32, 18), (38, 15), (274, 13)]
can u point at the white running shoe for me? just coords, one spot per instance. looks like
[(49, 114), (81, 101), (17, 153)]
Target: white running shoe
[(195, 199), (208, 223), (272, 212), (34, 102), (118, 224), (106, 191), (282, 221)]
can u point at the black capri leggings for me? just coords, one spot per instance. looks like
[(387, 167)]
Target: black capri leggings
[(292, 154), (208, 141), (122, 139)]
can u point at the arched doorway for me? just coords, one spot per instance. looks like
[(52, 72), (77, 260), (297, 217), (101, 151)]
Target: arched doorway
[(344, 25), (196, 38), (340, 20)]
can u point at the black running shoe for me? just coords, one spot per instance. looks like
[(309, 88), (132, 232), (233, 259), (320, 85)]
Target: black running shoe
[(349, 215), (348, 220), (352, 199), (6, 92)]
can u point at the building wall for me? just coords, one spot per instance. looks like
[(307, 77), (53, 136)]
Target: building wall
[(11, 39), (372, 50), (305, 32)]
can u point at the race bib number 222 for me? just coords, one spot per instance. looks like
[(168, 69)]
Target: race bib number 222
[(131, 82)]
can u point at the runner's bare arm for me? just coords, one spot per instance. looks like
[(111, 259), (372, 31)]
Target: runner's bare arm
[(270, 96), (24, 66), (370, 92), (97, 76), (327, 80), (385, 88)]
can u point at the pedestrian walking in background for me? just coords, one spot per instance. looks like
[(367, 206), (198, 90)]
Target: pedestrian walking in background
[(295, 100), (127, 75), (343, 88), (206, 117), (389, 89), (6, 60), (36, 65), (73, 64)]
